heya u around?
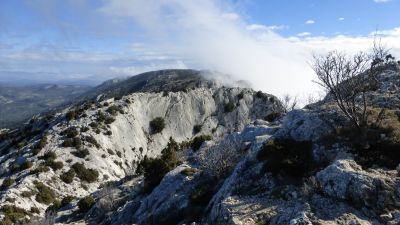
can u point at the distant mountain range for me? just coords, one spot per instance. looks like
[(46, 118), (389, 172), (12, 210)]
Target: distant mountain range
[(19, 103)]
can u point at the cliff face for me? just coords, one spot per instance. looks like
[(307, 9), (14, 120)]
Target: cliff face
[(112, 136)]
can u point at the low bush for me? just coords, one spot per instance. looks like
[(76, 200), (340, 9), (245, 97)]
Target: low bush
[(54, 207), (44, 195), (157, 125), (240, 95), (34, 210), (155, 169), (68, 176), (66, 200), (110, 152), (26, 165), (40, 145), (109, 120), (7, 183), (84, 129), (81, 153), (72, 142), (86, 203), (272, 116), (40, 169), (70, 132), (84, 174), (90, 139), (49, 156), (27, 194), (119, 154), (259, 94), (113, 110), (93, 124), (108, 132), (287, 157), (229, 107), (13, 214), (197, 128), (71, 115), (196, 143), (55, 165)]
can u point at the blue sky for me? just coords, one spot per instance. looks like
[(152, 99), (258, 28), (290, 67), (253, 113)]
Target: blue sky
[(266, 42), (359, 17)]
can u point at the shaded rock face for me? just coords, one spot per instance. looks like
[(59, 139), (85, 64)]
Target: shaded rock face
[(115, 147)]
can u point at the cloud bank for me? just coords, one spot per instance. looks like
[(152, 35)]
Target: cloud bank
[(163, 34)]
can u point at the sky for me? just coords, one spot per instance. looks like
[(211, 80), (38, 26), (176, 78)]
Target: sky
[(270, 43)]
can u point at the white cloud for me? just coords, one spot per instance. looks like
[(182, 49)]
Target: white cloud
[(382, 1), (202, 34), (304, 34), (310, 22), (341, 18)]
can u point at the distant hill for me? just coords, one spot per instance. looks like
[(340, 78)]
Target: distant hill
[(19, 103)]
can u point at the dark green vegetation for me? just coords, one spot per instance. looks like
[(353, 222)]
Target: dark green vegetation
[(68, 176), (155, 169), (86, 203), (287, 157), (229, 107), (196, 143), (7, 183), (84, 174), (13, 214), (18, 104), (197, 128), (157, 125), (44, 194)]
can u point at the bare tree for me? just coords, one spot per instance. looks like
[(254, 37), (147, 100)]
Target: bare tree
[(289, 102), (219, 160), (347, 79)]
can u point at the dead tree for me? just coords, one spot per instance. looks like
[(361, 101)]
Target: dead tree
[(347, 79)]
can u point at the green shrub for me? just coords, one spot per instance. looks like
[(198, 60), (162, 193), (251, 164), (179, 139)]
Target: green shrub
[(26, 165), (86, 203), (84, 129), (113, 110), (155, 169), (110, 152), (229, 107), (92, 141), (40, 145), (272, 116), (82, 153), (34, 210), (27, 194), (55, 165), (93, 124), (197, 128), (72, 142), (54, 207), (240, 95), (40, 169), (70, 132), (109, 120), (157, 125), (49, 156), (119, 154), (68, 176), (259, 94), (287, 157), (84, 174), (7, 183), (66, 200), (196, 143), (71, 115), (101, 116), (44, 195), (108, 132), (13, 214)]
